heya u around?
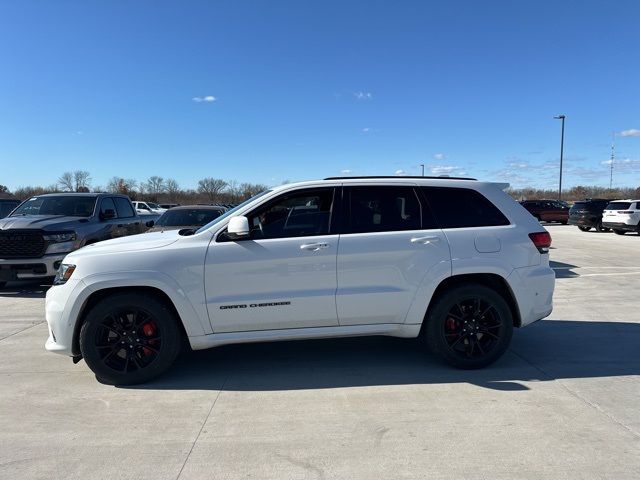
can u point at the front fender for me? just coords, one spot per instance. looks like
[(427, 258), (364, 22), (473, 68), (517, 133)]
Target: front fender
[(194, 317)]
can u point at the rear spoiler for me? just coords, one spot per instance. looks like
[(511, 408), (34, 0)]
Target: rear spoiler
[(501, 186)]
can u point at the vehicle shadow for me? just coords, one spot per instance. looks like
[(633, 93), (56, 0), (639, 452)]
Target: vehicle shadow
[(563, 270), (25, 289), (548, 350)]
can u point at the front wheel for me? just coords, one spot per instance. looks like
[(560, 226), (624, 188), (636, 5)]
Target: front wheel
[(129, 338), (3, 284), (619, 232), (584, 229), (469, 326)]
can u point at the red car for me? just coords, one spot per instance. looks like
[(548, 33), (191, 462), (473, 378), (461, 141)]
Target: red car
[(548, 210)]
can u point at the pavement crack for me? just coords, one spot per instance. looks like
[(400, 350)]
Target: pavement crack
[(575, 394), (202, 427), (20, 331)]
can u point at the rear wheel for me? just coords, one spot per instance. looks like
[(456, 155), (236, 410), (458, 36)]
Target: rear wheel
[(129, 338), (469, 326), (584, 229), (3, 284), (600, 228), (619, 232)]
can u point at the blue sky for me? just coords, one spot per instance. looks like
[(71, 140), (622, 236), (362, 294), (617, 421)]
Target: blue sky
[(301, 90)]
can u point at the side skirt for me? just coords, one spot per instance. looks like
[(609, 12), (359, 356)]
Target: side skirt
[(389, 329)]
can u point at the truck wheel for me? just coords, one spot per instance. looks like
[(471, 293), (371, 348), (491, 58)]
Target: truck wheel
[(469, 326), (619, 232), (129, 338), (584, 229), (600, 228)]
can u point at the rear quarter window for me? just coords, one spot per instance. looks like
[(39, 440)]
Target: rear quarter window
[(462, 208)]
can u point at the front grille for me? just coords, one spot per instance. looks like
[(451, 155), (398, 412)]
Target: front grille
[(21, 244)]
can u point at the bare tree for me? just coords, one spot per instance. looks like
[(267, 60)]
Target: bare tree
[(66, 182), (154, 187), (123, 186), (248, 190), (212, 187), (82, 180), (234, 191), (172, 188), (4, 189)]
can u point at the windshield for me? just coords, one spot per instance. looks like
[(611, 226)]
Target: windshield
[(188, 217), (153, 205), (229, 213), (67, 205)]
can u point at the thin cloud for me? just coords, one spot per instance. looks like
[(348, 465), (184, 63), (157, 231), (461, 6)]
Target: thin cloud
[(439, 156), (446, 170), (205, 99), (367, 129), (363, 95), (400, 172), (346, 171), (633, 132)]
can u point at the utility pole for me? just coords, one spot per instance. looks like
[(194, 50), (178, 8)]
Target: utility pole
[(561, 117), (422, 165), (613, 156)]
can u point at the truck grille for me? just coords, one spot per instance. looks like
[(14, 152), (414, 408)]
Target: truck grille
[(21, 244)]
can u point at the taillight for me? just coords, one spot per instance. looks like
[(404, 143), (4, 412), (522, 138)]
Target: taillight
[(542, 241)]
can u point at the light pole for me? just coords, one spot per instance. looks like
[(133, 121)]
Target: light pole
[(561, 117), (422, 165)]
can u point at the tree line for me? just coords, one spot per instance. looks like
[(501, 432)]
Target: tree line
[(155, 188), (216, 190)]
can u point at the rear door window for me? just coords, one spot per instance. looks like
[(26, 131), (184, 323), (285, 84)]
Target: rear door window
[(462, 208), (123, 208), (382, 209)]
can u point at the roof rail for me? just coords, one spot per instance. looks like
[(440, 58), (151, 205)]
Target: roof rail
[(400, 177)]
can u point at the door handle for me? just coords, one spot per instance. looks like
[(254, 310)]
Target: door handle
[(425, 240), (314, 247)]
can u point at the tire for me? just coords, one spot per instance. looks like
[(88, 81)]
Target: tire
[(3, 284), (619, 232), (138, 321), (584, 229), (600, 228), (461, 304)]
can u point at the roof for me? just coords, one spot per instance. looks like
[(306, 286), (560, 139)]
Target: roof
[(198, 207), (400, 177), (82, 194)]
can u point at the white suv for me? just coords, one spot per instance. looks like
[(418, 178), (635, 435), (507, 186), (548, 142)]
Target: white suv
[(148, 208), (455, 261), (622, 216)]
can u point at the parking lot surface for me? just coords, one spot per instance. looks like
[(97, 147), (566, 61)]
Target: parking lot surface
[(562, 403)]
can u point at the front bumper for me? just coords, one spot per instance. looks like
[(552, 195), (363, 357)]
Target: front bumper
[(620, 226), (62, 308), (26, 268)]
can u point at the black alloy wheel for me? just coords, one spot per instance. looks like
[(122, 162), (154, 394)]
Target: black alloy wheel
[(469, 326), (129, 338), (584, 229)]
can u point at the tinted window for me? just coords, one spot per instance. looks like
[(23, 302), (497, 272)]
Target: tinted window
[(123, 207), (67, 205), (187, 217), (381, 209), (107, 204), (618, 206), (462, 207), (297, 214)]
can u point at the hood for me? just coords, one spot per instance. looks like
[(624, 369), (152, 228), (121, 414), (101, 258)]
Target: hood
[(42, 222), (144, 241), (160, 228)]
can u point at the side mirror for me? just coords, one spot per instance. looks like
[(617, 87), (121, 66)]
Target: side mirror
[(150, 223), (108, 214), (238, 228)]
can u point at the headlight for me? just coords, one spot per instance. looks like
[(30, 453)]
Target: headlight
[(60, 237), (64, 273)]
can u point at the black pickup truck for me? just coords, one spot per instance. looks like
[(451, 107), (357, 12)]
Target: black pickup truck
[(43, 229)]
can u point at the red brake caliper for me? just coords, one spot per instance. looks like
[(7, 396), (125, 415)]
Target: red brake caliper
[(451, 324), (149, 330)]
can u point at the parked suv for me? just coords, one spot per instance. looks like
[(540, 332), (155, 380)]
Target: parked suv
[(43, 229), (622, 216), (455, 261), (548, 210), (588, 214)]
